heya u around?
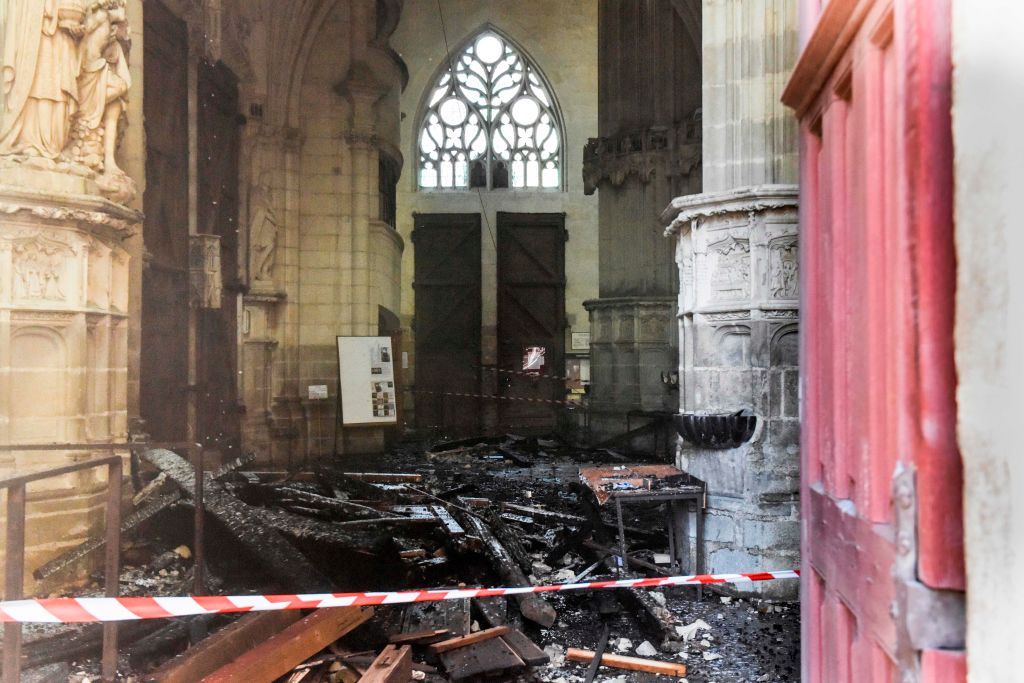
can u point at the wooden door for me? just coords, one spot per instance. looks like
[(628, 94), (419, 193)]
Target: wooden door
[(447, 321), (165, 287), (882, 549), (531, 319), (217, 362)]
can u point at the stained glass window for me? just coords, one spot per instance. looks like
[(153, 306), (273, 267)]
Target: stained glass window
[(491, 124)]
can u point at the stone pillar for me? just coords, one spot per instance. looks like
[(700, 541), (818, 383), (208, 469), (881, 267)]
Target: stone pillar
[(65, 269), (737, 258), (648, 152)]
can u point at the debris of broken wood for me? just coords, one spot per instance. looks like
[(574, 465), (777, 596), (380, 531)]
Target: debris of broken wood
[(629, 663), (223, 646), (392, 665), (532, 606), (490, 657), (426, 636), (275, 554), (278, 654), (469, 639)]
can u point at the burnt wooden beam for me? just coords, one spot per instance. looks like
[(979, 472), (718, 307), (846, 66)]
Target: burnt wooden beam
[(131, 522), (532, 606), (267, 547)]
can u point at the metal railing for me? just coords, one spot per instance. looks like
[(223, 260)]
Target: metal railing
[(14, 564)]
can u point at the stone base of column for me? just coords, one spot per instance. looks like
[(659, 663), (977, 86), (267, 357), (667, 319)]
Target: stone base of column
[(633, 341), (738, 309), (64, 318)]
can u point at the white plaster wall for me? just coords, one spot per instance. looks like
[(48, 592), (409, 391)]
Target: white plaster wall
[(988, 97), (561, 37)]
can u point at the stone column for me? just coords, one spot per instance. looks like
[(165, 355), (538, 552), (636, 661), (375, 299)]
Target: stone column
[(648, 152), (65, 268), (737, 258)]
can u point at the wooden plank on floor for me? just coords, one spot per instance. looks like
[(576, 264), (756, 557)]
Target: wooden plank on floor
[(420, 637), (223, 646), (489, 657), (525, 648), (279, 654), (471, 639), (631, 663), (392, 665)]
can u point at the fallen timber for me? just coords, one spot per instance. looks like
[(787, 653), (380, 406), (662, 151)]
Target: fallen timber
[(154, 506), (532, 606), (280, 653), (276, 556)]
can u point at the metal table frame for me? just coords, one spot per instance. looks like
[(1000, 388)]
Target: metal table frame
[(678, 505)]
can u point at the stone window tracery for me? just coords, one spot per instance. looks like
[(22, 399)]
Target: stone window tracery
[(491, 125)]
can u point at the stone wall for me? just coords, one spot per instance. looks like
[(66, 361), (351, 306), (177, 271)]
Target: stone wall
[(647, 152), (987, 54)]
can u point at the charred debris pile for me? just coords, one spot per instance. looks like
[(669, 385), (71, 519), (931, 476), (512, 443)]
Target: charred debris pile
[(506, 511)]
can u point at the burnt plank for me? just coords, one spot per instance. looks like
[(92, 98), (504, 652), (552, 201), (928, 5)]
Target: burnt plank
[(267, 547), (468, 639), (525, 648), (493, 610), (532, 606), (489, 657)]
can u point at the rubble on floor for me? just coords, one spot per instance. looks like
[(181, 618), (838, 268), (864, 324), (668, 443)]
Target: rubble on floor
[(481, 512)]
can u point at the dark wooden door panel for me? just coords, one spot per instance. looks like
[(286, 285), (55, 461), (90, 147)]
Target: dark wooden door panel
[(219, 144), (447, 321), (531, 316), (164, 355)]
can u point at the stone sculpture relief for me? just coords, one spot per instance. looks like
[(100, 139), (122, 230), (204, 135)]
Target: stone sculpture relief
[(39, 266), (784, 267), (731, 274), (263, 229), (64, 77)]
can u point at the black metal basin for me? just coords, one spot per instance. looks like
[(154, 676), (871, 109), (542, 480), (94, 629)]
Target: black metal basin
[(716, 431)]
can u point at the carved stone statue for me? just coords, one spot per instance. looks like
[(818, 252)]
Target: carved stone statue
[(103, 82), (263, 227), (39, 75), (63, 78)]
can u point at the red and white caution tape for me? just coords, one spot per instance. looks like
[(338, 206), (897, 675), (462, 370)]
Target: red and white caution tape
[(79, 610)]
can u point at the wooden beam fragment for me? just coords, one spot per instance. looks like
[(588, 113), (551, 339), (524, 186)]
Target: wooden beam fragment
[(266, 547), (279, 654), (653, 666), (525, 648), (393, 665), (223, 646), (433, 634), (470, 639), (489, 657), (532, 606)]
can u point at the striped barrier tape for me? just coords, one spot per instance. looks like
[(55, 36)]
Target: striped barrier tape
[(88, 610), (492, 397)]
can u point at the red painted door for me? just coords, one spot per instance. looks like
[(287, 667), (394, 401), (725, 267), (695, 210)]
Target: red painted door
[(882, 593)]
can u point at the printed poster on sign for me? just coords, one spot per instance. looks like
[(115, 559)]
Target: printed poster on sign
[(366, 375)]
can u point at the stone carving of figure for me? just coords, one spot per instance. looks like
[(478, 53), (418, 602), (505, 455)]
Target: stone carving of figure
[(39, 75), (103, 82), (263, 226)]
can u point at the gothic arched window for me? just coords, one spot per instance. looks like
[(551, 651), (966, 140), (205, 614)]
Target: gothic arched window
[(493, 125)]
